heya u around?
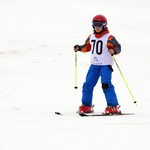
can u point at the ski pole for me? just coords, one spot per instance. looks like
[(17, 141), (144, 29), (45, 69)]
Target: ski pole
[(76, 86), (124, 80)]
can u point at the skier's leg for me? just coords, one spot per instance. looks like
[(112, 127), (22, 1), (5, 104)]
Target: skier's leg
[(88, 86), (107, 86)]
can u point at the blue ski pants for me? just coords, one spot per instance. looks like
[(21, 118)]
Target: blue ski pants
[(105, 74)]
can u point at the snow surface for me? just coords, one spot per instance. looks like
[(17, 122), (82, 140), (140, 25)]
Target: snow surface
[(37, 75)]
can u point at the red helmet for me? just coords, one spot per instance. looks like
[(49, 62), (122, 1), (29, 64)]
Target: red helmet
[(100, 18)]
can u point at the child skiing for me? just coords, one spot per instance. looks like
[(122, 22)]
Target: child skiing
[(102, 46)]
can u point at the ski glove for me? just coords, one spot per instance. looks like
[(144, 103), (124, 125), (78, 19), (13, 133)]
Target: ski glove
[(76, 48)]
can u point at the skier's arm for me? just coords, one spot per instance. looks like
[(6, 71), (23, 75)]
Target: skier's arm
[(86, 47), (113, 45)]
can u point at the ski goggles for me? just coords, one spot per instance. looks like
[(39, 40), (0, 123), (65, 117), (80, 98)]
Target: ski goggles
[(98, 24)]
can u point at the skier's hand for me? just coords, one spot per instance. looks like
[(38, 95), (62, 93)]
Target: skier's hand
[(111, 51), (76, 48)]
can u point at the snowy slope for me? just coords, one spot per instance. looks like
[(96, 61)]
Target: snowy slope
[(37, 75)]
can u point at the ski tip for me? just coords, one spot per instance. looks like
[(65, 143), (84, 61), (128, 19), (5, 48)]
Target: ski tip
[(57, 113)]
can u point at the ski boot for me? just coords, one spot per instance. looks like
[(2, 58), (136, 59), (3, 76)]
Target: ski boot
[(86, 109), (112, 110)]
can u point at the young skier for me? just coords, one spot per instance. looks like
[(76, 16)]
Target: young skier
[(102, 46)]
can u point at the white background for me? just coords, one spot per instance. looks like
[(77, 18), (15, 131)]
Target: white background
[(37, 75)]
